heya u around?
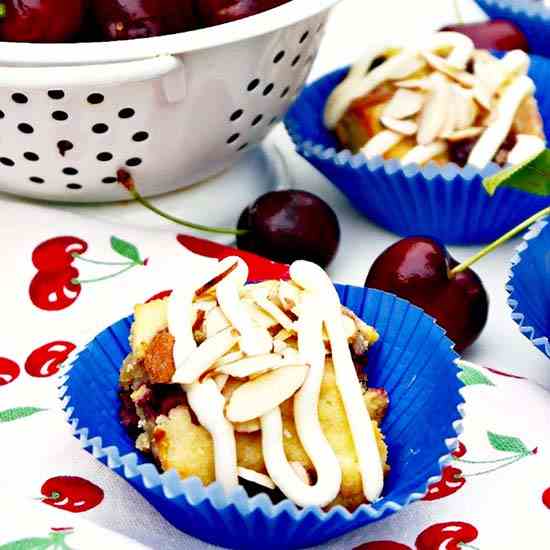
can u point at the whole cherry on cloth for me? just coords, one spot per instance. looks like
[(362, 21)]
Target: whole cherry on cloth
[(290, 225), (446, 536), (46, 360), (215, 12), (128, 19), (498, 34), (71, 493), (9, 371), (281, 225), (418, 269), (40, 20)]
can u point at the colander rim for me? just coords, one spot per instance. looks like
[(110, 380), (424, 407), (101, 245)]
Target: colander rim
[(28, 54)]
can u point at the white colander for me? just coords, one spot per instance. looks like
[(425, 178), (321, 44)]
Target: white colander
[(173, 110)]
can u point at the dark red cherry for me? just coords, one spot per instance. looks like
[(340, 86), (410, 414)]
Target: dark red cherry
[(214, 12), (497, 34), (290, 225), (418, 269)]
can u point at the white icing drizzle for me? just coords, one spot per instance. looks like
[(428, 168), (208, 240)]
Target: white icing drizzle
[(308, 426), (208, 404), (311, 277), (254, 340)]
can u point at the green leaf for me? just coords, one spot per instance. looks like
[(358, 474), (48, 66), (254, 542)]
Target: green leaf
[(532, 176), (34, 543), (9, 415), (126, 249), (507, 444), (471, 377)]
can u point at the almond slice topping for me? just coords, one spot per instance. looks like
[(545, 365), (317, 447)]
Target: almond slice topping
[(259, 396), (230, 357), (215, 322), (403, 104), (405, 127), (253, 365), (433, 114), (269, 307), (467, 133), (256, 477), (289, 295), (423, 84), (439, 64), (465, 107), (203, 357), (381, 143), (423, 153)]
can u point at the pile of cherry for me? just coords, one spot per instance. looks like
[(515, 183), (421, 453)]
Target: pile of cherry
[(98, 20)]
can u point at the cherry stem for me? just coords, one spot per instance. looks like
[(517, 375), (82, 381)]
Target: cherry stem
[(79, 282), (127, 181), (95, 262), (506, 459), (496, 468), (458, 13), (506, 237)]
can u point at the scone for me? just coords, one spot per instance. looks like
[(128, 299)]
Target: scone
[(275, 367), (443, 101)]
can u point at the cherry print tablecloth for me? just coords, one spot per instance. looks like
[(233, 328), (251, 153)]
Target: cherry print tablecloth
[(494, 495)]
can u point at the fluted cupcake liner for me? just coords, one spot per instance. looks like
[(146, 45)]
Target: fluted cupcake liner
[(446, 202), (414, 361), (531, 16), (529, 286)]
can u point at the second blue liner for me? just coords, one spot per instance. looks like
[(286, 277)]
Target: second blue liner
[(445, 202)]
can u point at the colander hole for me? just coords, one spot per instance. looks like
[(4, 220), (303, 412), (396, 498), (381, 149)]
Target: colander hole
[(243, 147), (236, 115), (96, 99), (126, 113), (20, 98), (109, 180), (6, 161), (25, 128), (60, 116), (104, 157), (284, 93), (279, 57), (273, 120), (320, 27), (74, 186), (233, 138), (56, 94), (35, 179), (63, 146), (29, 155), (296, 60), (100, 128), (69, 171), (304, 37), (2, 115), (140, 136), (268, 89), (253, 84), (257, 120), (135, 161)]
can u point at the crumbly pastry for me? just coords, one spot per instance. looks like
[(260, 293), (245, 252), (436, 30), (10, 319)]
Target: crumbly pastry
[(441, 101), (259, 382)]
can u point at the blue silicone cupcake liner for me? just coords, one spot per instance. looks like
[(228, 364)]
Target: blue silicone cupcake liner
[(447, 202), (531, 16), (529, 286), (414, 361)]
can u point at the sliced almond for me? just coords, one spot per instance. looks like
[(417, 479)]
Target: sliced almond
[(404, 103), (289, 295), (260, 317), (404, 127), (381, 143), (215, 322), (255, 477), (212, 283), (441, 65), (230, 386), (230, 357), (203, 357), (423, 84), (467, 133), (255, 398), (434, 113), (279, 346), (252, 365), (465, 107), (221, 380), (423, 153), (269, 307), (250, 427), (283, 335)]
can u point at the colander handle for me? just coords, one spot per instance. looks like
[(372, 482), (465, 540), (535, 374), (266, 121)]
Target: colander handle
[(89, 75)]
